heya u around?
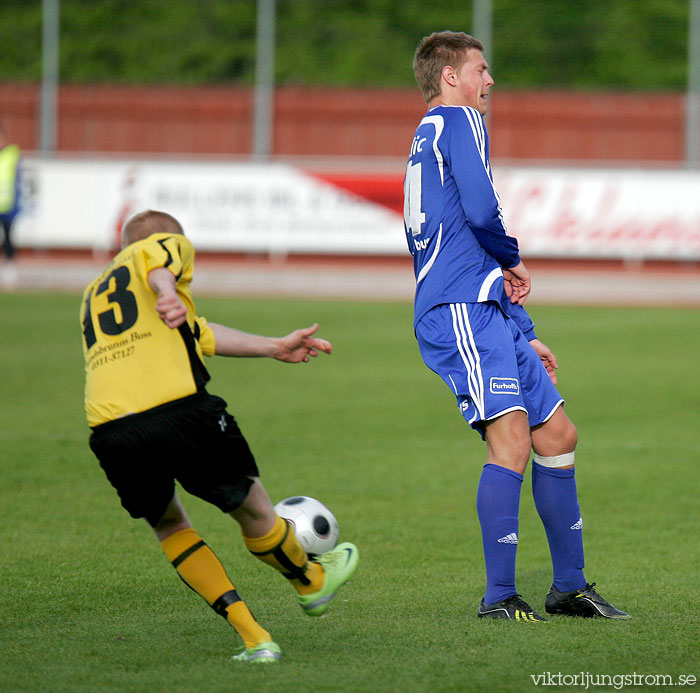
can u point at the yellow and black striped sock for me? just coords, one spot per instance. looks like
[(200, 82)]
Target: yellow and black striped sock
[(202, 571), (281, 549)]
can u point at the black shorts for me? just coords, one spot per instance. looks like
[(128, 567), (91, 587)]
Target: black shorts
[(194, 440)]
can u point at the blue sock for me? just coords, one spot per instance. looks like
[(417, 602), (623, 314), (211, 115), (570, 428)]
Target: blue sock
[(497, 504), (554, 491)]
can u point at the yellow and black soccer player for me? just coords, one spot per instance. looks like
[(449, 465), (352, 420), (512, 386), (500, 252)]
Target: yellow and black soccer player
[(153, 422)]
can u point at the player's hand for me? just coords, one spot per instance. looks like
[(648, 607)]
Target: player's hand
[(171, 310), (299, 346), (516, 282), (547, 357)]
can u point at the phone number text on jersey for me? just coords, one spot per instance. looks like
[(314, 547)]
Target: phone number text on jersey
[(116, 355)]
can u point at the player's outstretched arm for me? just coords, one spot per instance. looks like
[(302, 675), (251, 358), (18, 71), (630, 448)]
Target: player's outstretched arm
[(517, 283), (547, 357), (296, 347)]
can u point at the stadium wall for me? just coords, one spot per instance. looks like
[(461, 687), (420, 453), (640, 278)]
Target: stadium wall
[(532, 125), (334, 183)]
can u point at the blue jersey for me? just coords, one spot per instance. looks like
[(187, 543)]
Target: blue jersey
[(452, 216)]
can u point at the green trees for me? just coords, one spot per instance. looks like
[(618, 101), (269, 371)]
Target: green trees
[(636, 44)]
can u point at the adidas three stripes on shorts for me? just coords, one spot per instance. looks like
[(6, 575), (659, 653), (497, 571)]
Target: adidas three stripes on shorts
[(487, 362)]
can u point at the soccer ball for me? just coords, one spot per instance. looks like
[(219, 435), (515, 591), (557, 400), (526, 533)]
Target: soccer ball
[(314, 524)]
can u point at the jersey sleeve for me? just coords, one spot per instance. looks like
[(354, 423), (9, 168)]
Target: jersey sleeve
[(521, 317), (469, 164), (174, 252), (205, 336)]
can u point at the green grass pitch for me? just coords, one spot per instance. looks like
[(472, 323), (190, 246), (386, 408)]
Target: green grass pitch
[(88, 602)]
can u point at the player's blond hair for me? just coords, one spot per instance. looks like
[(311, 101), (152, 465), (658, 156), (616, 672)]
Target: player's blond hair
[(435, 52), (144, 224)]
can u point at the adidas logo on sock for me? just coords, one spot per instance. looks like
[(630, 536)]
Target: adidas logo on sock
[(511, 538), (578, 525)]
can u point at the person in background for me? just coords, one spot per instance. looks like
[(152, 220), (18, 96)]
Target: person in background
[(10, 159)]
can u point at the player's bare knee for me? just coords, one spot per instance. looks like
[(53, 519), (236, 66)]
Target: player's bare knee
[(512, 453), (167, 526), (256, 515), (173, 520), (570, 438), (565, 437), (556, 436), (508, 441)]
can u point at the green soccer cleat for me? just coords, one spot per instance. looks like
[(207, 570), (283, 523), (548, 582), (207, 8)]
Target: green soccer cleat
[(264, 653), (338, 566)]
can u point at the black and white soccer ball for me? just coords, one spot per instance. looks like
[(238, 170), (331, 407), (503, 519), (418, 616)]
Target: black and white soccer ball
[(314, 524)]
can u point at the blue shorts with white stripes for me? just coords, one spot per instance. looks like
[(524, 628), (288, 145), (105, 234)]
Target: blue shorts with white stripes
[(487, 362)]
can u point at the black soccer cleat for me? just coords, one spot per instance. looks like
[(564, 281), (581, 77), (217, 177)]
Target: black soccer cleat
[(584, 602), (513, 608)]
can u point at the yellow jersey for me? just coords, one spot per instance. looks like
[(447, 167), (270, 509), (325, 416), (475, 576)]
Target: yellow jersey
[(133, 360), (9, 168)]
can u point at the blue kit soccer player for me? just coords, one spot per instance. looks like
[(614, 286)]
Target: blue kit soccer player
[(473, 331)]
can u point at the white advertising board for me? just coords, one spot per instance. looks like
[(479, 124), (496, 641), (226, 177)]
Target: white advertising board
[(601, 213), (277, 208), (271, 208)]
